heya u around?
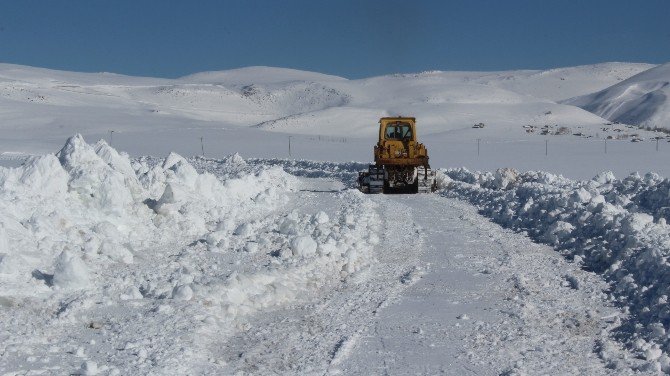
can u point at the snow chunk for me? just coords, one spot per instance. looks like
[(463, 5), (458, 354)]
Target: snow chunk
[(44, 176), (505, 177), (558, 232), (89, 367), (653, 353), (288, 227), (131, 292), (303, 246), (636, 222), (70, 271), (604, 177), (244, 230), (320, 218), (182, 292)]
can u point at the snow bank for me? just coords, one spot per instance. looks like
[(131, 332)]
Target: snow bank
[(614, 227), (148, 249), (311, 252), (66, 217), (346, 172)]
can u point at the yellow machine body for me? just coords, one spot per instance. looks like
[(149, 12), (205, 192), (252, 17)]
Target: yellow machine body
[(401, 161), (398, 145)]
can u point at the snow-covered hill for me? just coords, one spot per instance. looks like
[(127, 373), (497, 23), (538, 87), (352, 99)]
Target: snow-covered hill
[(257, 75), (641, 100), (562, 83), (254, 110), (296, 101)]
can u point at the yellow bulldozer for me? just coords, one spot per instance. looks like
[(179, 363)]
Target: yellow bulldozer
[(401, 162)]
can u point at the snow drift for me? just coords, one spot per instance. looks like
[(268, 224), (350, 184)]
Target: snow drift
[(614, 227), (89, 206)]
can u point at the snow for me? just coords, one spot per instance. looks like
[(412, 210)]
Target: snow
[(303, 246), (104, 237), (615, 227), (121, 262), (70, 271), (258, 75), (254, 111), (562, 83), (87, 204), (641, 100), (220, 253), (182, 292)]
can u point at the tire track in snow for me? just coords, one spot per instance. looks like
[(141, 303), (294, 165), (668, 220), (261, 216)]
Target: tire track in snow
[(315, 336), (491, 302)]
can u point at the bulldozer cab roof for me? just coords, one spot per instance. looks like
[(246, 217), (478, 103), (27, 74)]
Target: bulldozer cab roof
[(397, 118)]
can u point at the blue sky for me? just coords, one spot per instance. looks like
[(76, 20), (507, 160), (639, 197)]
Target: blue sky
[(349, 38)]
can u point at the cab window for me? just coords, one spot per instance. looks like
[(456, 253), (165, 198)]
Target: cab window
[(398, 131)]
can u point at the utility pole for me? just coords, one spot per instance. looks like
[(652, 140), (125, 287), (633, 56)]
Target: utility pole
[(202, 146), (546, 147), (289, 146)]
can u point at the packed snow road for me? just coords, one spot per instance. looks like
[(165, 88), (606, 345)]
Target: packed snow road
[(316, 335), (489, 301), (449, 292)]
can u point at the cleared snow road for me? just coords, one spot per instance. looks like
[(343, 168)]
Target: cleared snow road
[(449, 293), (490, 302)]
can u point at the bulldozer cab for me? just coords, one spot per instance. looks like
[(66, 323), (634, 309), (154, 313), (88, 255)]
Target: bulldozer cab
[(398, 143), (397, 129)]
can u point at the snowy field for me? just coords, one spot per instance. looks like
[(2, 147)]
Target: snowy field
[(253, 111), (543, 252)]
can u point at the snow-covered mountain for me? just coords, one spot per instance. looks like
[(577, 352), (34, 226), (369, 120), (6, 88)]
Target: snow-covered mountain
[(41, 107), (641, 100), (562, 83), (254, 110)]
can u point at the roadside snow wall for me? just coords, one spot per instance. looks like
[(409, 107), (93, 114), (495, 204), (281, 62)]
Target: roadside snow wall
[(613, 227), (64, 216), (347, 172)]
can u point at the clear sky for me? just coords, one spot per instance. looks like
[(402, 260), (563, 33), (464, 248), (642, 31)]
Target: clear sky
[(346, 37)]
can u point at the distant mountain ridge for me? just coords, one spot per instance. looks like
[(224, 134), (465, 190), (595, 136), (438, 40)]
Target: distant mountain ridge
[(301, 102), (642, 99)]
